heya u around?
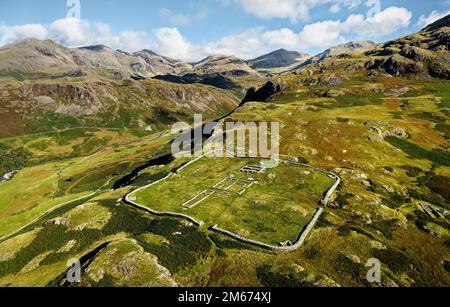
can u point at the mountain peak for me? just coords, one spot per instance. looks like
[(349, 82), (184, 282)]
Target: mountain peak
[(278, 58), (148, 51), (95, 48), (352, 47), (220, 58), (356, 45), (33, 42), (283, 51)]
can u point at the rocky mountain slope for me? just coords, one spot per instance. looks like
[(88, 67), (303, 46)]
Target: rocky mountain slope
[(424, 53), (43, 105), (47, 57), (341, 51), (97, 85), (278, 61), (224, 64)]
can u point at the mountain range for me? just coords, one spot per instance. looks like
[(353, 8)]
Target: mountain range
[(42, 82), (31, 56)]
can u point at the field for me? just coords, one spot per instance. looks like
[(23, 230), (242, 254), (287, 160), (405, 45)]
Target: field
[(271, 207), (45, 185)]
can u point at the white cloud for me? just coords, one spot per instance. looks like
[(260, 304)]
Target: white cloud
[(242, 44), (170, 43), (183, 19), (382, 23), (291, 9), (247, 44), (335, 8), (177, 19), (16, 33), (322, 34), (425, 20), (72, 32)]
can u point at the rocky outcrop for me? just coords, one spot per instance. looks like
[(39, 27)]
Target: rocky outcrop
[(396, 65), (425, 53), (384, 129), (262, 94)]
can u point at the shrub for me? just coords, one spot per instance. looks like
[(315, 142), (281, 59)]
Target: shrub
[(440, 185), (303, 160), (395, 260), (13, 159), (273, 279), (438, 156), (343, 199), (344, 230), (345, 266), (311, 253), (412, 171), (389, 169), (322, 222), (385, 227)]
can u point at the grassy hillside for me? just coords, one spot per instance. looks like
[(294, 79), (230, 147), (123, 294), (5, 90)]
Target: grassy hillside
[(380, 119), (47, 105)]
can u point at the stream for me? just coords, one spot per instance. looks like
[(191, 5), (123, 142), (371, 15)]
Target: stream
[(7, 177)]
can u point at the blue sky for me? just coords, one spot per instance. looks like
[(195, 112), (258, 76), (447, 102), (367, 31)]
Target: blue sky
[(192, 29)]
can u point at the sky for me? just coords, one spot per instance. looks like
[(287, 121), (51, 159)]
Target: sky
[(193, 29)]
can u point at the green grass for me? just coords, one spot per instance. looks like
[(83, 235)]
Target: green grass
[(441, 90), (9, 74), (272, 211), (396, 261), (438, 184), (185, 241), (13, 159), (437, 156), (349, 101), (79, 177)]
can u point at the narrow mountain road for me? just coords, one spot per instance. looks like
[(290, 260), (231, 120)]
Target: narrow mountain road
[(64, 130)]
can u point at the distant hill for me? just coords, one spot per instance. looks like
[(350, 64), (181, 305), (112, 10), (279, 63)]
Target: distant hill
[(47, 57), (34, 56), (422, 55), (45, 85), (425, 52), (340, 51), (280, 59), (230, 65)]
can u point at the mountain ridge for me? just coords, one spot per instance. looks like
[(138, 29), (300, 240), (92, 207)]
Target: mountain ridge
[(147, 63), (144, 63)]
